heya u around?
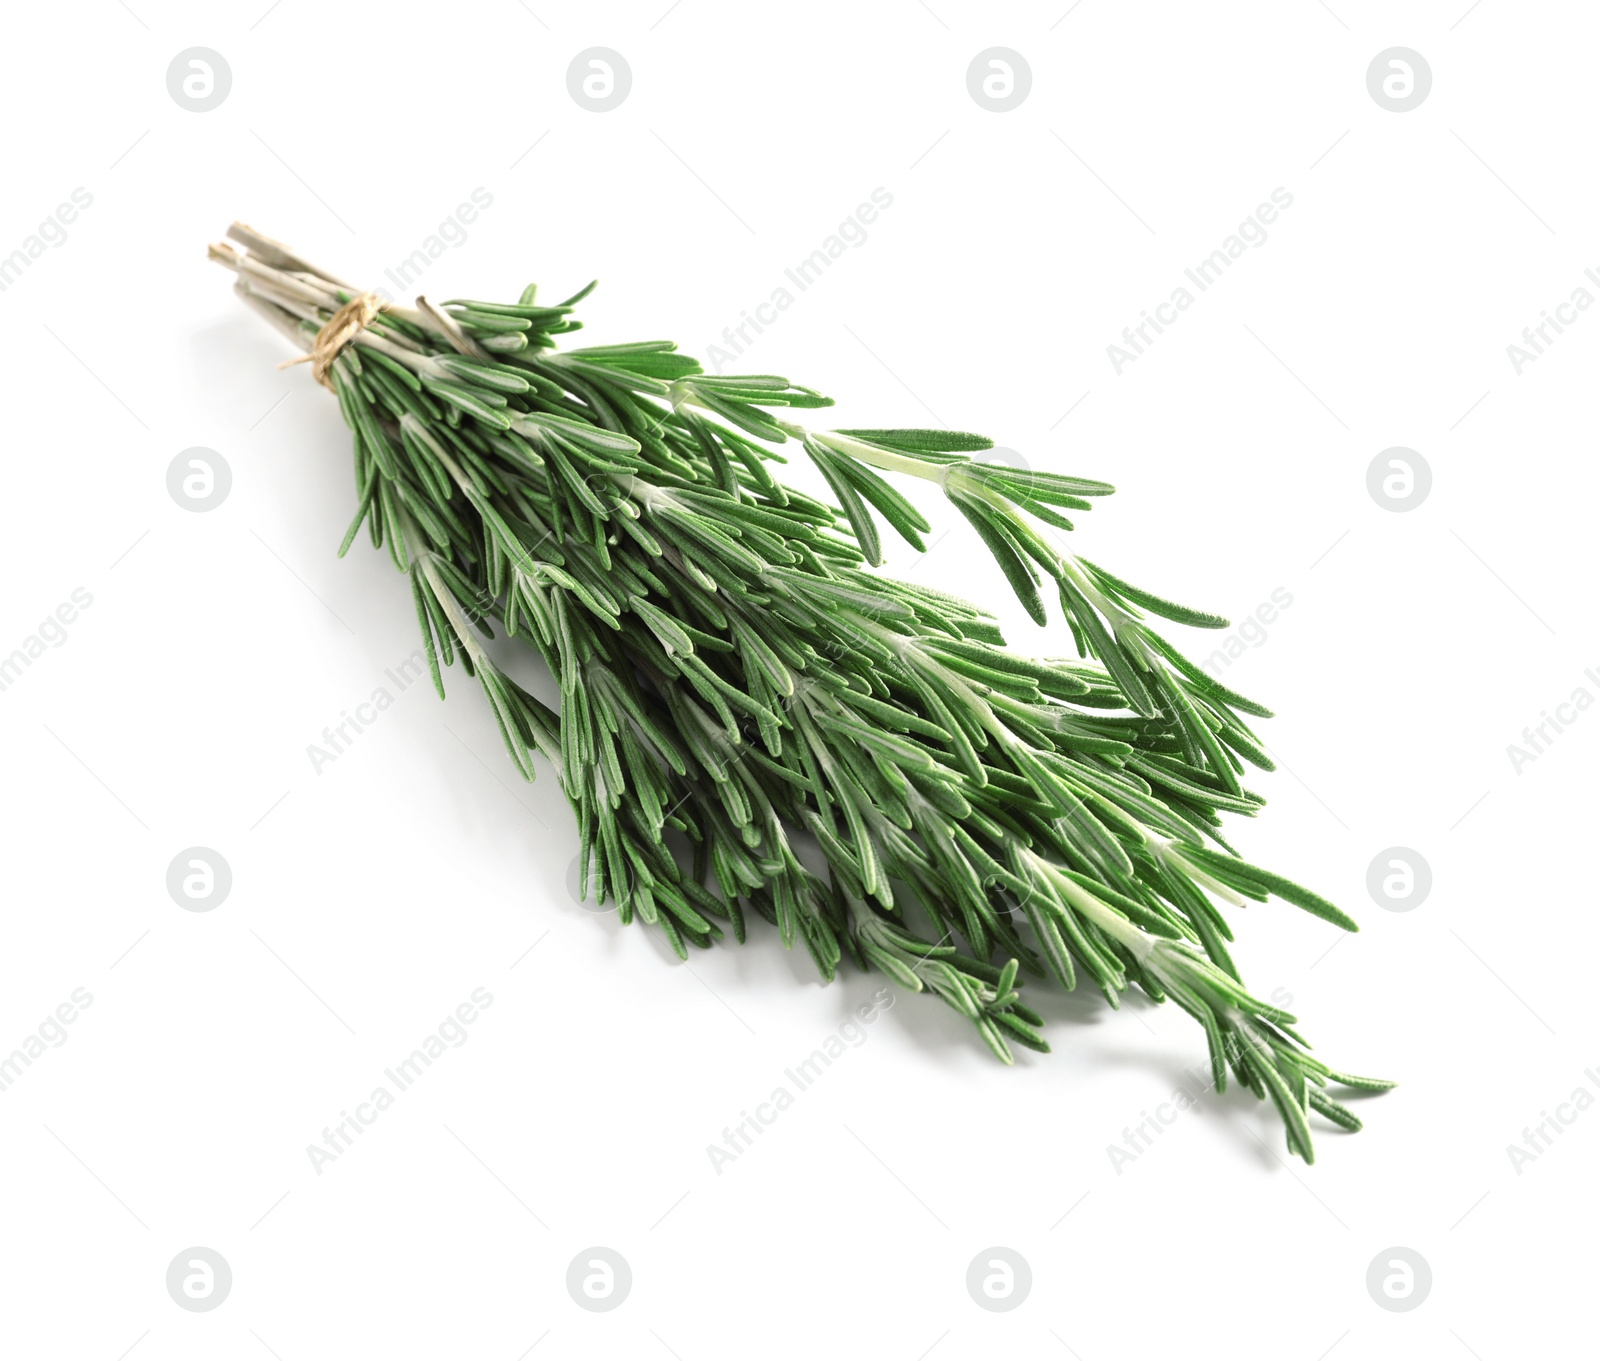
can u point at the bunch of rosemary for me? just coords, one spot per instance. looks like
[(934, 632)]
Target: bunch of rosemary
[(731, 673)]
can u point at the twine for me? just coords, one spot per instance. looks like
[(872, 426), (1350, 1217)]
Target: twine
[(341, 328)]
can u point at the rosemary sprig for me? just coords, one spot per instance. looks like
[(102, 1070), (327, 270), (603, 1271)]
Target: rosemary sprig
[(732, 674)]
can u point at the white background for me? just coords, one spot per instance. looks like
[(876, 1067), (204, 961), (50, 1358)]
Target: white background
[(372, 898)]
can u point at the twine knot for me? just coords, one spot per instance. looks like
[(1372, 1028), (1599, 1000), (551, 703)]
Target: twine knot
[(339, 330)]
